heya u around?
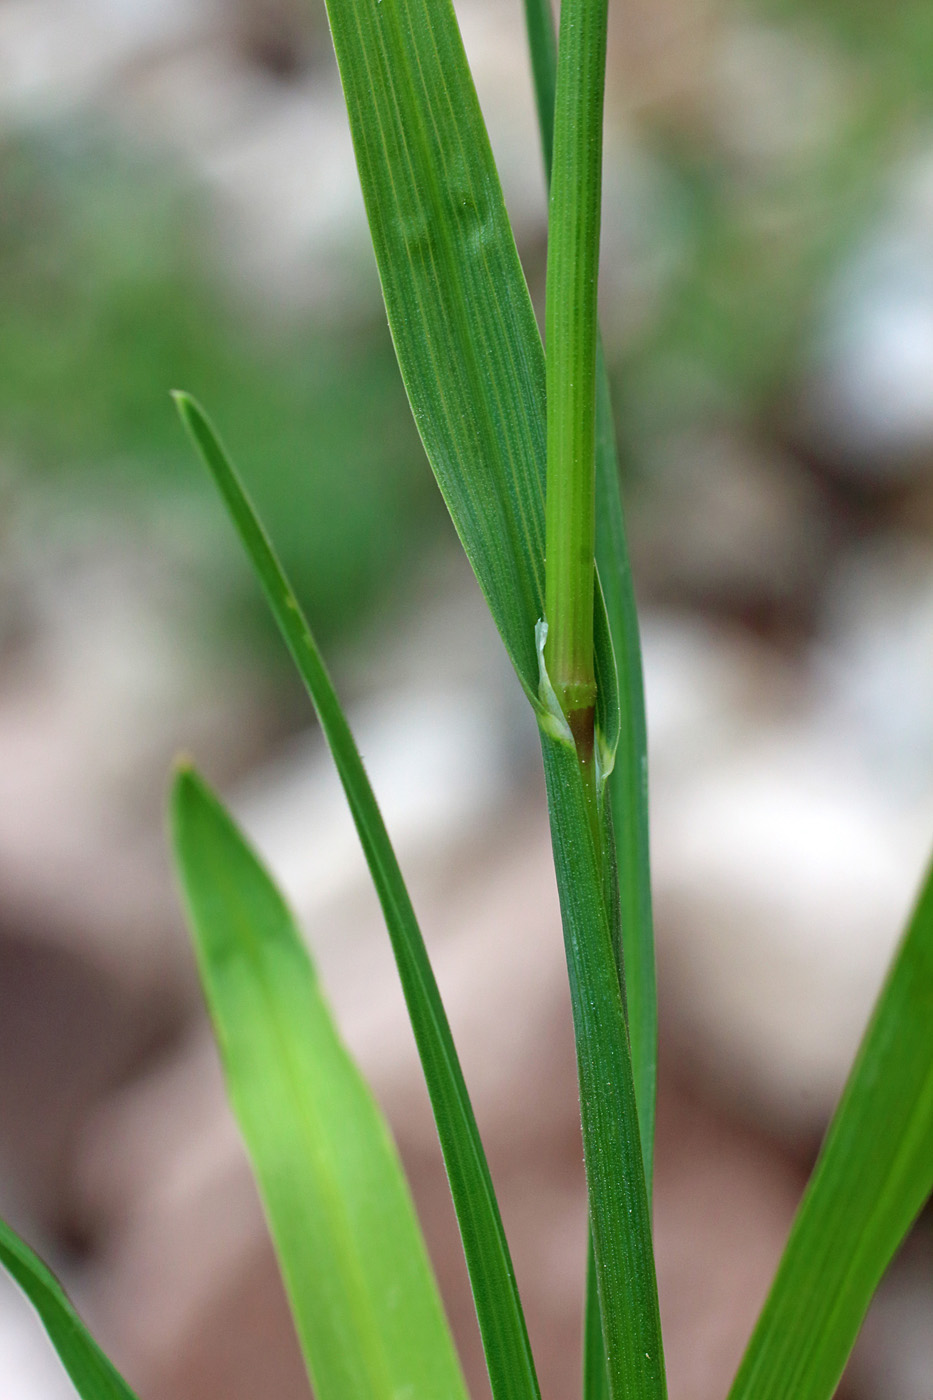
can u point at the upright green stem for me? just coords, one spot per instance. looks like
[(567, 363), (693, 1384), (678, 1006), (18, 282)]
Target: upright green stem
[(570, 326), (628, 782)]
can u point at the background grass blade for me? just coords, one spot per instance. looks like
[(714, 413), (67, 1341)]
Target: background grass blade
[(498, 1307), (619, 1215), (542, 46), (362, 1293), (628, 782), (871, 1180), (94, 1377)]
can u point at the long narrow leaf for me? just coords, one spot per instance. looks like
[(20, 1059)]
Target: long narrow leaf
[(873, 1176), (362, 1292), (458, 307), (498, 1307), (619, 1215), (93, 1375)]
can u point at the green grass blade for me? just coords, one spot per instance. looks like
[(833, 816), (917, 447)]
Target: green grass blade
[(94, 1377), (542, 47), (595, 1380), (619, 1214), (628, 782), (363, 1296), (498, 1307), (871, 1180), (458, 307)]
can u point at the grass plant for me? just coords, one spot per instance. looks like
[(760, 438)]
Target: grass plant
[(523, 453)]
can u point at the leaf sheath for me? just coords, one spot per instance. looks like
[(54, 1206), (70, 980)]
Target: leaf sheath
[(619, 1215)]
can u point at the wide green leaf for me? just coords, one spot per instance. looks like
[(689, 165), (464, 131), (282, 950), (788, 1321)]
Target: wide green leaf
[(458, 306), (498, 1306), (361, 1289), (871, 1180), (94, 1377)]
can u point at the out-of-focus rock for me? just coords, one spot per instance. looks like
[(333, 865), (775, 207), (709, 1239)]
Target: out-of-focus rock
[(874, 661), (894, 1355), (96, 697), (867, 407), (203, 79), (757, 534), (784, 862), (725, 1196)]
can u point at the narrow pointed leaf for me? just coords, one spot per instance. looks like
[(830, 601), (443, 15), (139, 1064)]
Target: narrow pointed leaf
[(498, 1307), (93, 1375), (361, 1289), (871, 1180), (619, 1215)]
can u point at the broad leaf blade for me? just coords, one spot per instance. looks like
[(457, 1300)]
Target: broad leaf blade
[(458, 307), (498, 1306), (360, 1285), (93, 1375), (871, 1180)]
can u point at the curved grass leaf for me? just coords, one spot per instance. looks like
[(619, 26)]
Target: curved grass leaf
[(362, 1293), (498, 1307), (871, 1180), (619, 1216), (93, 1375)]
